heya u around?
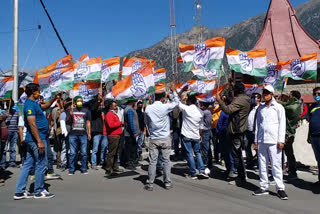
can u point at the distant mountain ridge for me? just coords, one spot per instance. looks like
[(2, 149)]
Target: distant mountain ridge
[(241, 36)]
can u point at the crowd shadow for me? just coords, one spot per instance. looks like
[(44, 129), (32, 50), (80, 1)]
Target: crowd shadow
[(5, 174), (122, 175), (144, 178), (302, 184)]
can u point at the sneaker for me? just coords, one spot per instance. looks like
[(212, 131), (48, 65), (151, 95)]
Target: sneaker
[(94, 167), (84, 172), (203, 176), (192, 177), (232, 175), (260, 192), (168, 186), (71, 173), (24, 195), (148, 187), (118, 170), (32, 177), (316, 184), (44, 195), (52, 176), (282, 195)]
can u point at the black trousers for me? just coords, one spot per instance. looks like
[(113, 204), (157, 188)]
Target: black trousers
[(114, 147), (288, 149), (237, 142), (130, 150)]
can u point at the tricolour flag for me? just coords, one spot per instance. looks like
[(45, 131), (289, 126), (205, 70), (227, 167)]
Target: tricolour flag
[(84, 57), (160, 87), (211, 96), (160, 75), (87, 90), (87, 70), (303, 68), (252, 63), (204, 59), (131, 65), (55, 77), (274, 76), (137, 85), (198, 86), (110, 69), (252, 88), (6, 87)]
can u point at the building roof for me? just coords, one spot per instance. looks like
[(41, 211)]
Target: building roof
[(283, 36)]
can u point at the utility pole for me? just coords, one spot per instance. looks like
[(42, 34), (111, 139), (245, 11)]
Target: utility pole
[(197, 18), (15, 51)]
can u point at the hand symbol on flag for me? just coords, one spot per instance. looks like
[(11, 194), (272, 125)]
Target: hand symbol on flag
[(139, 88), (297, 68), (246, 62)]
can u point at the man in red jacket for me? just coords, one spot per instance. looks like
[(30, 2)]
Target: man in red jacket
[(113, 126)]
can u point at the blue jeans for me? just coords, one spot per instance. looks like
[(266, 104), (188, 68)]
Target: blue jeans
[(206, 149), (75, 142), (33, 161), (315, 142), (97, 140), (10, 146), (140, 143), (226, 149), (193, 144)]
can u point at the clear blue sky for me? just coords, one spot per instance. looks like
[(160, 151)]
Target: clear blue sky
[(108, 28)]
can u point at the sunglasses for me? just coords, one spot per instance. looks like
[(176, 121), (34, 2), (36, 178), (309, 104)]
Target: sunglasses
[(316, 94)]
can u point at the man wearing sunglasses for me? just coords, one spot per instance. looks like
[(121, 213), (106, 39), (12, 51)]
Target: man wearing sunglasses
[(314, 128), (270, 135)]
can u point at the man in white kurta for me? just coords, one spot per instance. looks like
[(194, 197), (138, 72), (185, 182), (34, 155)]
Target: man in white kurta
[(270, 137)]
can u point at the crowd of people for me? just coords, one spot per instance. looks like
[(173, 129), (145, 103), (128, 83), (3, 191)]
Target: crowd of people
[(101, 134)]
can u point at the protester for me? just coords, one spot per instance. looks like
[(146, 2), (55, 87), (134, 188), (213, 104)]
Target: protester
[(206, 136), (238, 112), (142, 128), (158, 123), (65, 129), (255, 103), (3, 138), (270, 138), (57, 133), (222, 137), (216, 111), (293, 112), (12, 119), (99, 134), (314, 128), (191, 119), (36, 143), (131, 133), (114, 131), (79, 135)]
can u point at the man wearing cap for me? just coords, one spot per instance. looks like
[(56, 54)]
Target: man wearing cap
[(79, 135), (270, 135), (158, 123)]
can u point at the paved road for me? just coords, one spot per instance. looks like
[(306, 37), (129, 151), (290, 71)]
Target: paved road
[(93, 193)]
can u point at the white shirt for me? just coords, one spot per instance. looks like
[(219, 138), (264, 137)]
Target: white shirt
[(157, 118), (21, 124), (271, 124), (191, 119), (251, 118)]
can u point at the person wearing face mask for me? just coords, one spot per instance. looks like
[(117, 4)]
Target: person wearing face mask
[(314, 128), (114, 131), (79, 135), (293, 111), (36, 142), (158, 124), (270, 135), (255, 103)]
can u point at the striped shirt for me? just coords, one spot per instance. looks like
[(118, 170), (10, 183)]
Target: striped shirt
[(13, 120)]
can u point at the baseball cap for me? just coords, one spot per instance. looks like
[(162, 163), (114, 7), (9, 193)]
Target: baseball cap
[(269, 88)]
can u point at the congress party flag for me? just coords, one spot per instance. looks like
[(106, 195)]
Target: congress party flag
[(160, 87), (87, 70), (131, 65), (273, 77), (110, 69), (253, 88), (84, 57), (198, 86), (204, 59), (252, 63), (211, 96), (55, 77), (137, 85), (6, 87), (303, 68), (87, 90), (160, 76)]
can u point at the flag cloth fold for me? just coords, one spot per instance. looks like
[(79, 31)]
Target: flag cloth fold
[(252, 88), (252, 63), (211, 96), (110, 69), (6, 87), (84, 57), (87, 70), (88, 90), (131, 65), (303, 68), (160, 87), (137, 85), (204, 59), (198, 86), (160, 76)]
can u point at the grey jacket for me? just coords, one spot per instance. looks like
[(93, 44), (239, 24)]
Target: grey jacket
[(128, 130)]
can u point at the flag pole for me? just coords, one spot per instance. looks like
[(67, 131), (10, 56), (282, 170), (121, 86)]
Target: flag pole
[(15, 50)]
